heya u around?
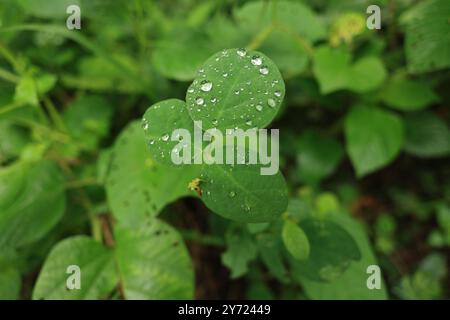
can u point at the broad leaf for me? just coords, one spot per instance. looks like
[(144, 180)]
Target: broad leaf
[(427, 135), (374, 138), (242, 194), (236, 88), (154, 262), (408, 95), (334, 71), (332, 251), (137, 186), (32, 201), (26, 91), (97, 271), (428, 36), (241, 249)]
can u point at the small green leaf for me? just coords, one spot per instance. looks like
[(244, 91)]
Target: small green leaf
[(295, 240), (408, 95), (154, 262), (97, 270), (334, 71), (137, 186), (427, 135), (332, 251), (236, 88), (181, 52), (26, 91), (374, 138), (242, 194), (240, 251)]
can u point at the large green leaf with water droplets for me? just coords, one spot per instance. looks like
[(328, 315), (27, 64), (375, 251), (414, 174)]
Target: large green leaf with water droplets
[(332, 251), (154, 262), (242, 194), (427, 36), (96, 263), (236, 88), (32, 201), (374, 138), (137, 186)]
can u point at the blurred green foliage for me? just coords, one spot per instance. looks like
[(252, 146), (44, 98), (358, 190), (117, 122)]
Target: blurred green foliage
[(364, 134)]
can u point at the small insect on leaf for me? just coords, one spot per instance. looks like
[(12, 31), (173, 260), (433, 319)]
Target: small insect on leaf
[(194, 185)]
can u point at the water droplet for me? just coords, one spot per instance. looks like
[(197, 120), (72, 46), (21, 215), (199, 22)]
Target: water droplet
[(271, 103), (246, 208), (145, 124), (190, 90), (213, 100), (256, 60), (151, 141), (259, 107), (165, 137), (241, 52), (264, 70), (277, 93), (214, 122), (249, 122), (232, 194), (199, 101), (225, 75), (237, 92), (206, 85)]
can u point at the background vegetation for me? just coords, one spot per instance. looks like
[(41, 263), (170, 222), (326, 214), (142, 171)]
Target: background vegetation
[(364, 135)]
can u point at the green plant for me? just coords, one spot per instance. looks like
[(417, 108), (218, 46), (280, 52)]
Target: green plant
[(87, 178)]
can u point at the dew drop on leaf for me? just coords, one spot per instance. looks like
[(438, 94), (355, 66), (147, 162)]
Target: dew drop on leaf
[(241, 52), (206, 85), (199, 101), (277, 93), (232, 194), (256, 60), (259, 107), (165, 137), (264, 70), (271, 103)]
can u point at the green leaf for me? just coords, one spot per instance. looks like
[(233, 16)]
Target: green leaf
[(96, 263), (154, 262), (88, 120), (374, 138), (427, 135), (295, 240), (10, 283), (318, 156), (427, 39), (332, 251), (352, 283), (26, 91), (32, 201), (270, 249), (236, 88), (408, 95), (241, 193), (137, 186), (181, 52), (256, 15), (159, 122), (334, 71), (241, 249)]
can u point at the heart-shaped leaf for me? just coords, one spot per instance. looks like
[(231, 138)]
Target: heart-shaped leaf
[(374, 138), (236, 88)]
